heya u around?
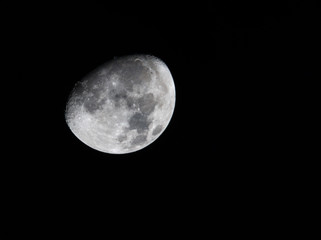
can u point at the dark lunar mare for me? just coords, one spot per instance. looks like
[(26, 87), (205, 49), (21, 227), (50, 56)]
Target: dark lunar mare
[(116, 95), (147, 103), (139, 122), (139, 140), (157, 130)]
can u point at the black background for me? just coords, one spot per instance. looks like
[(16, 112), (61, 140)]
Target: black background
[(237, 67)]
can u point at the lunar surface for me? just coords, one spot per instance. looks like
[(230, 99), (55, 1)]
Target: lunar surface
[(123, 105)]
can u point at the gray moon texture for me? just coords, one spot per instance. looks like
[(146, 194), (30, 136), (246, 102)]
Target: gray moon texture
[(123, 105)]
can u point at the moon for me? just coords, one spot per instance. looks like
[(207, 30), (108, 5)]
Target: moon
[(123, 105)]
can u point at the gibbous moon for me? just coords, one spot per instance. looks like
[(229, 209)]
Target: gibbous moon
[(123, 105)]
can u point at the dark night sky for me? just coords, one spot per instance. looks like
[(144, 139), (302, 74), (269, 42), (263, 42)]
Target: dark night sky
[(235, 67)]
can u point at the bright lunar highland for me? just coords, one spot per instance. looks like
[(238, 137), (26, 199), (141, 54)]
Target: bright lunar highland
[(123, 105)]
